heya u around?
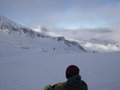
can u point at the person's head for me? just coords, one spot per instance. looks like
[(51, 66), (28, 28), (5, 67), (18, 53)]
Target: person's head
[(71, 71)]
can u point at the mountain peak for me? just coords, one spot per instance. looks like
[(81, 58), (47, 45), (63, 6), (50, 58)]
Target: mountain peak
[(8, 25), (58, 43), (5, 21)]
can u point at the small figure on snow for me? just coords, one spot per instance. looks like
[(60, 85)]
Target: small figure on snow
[(73, 82)]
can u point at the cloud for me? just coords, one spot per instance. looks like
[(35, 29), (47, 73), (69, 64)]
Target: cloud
[(62, 13), (104, 39), (96, 35), (96, 16)]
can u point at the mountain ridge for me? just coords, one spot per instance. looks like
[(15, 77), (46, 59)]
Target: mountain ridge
[(11, 27)]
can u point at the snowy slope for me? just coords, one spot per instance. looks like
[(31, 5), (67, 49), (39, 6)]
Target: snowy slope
[(32, 70), (21, 37)]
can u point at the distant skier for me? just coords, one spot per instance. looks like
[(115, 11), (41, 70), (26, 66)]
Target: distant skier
[(73, 82)]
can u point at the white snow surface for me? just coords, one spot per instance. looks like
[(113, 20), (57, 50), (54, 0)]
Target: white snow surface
[(26, 66)]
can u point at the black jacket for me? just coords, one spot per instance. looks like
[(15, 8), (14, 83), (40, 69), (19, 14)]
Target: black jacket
[(73, 83)]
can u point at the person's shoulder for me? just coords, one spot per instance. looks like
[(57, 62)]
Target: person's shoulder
[(47, 87), (55, 86), (84, 84), (58, 84)]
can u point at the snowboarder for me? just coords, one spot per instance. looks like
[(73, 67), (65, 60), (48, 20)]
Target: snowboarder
[(73, 82)]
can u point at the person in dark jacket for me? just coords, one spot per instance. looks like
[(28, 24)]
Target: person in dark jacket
[(73, 82)]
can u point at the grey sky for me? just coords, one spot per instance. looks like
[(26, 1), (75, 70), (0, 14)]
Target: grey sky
[(63, 13)]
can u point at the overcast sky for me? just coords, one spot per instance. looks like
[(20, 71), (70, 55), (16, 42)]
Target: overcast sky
[(68, 14)]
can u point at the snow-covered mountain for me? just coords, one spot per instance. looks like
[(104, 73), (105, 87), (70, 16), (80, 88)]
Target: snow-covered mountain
[(98, 39), (14, 35)]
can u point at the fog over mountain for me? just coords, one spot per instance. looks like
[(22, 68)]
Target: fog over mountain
[(98, 39)]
